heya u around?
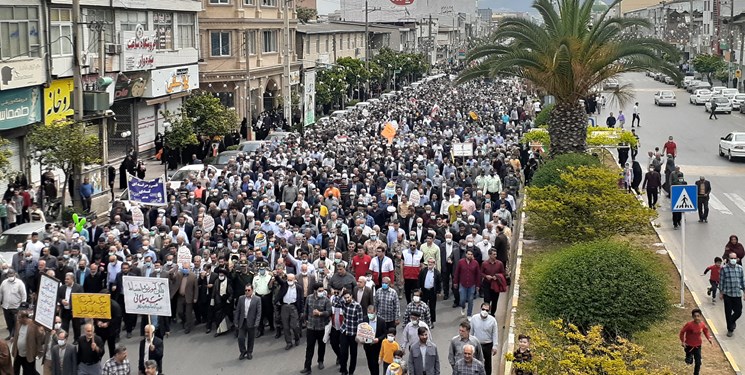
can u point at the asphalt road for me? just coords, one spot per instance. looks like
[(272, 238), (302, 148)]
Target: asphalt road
[(697, 139)]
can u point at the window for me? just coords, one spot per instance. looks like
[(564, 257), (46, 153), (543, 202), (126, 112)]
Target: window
[(318, 44), (222, 2), (269, 3), (327, 44), (226, 98), (248, 2), (270, 41), (220, 43), (60, 31), (99, 14), (186, 30), (250, 44), (19, 32), (129, 20), (163, 25)]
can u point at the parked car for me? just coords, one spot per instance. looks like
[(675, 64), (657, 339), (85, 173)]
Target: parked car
[(610, 84), (278, 136), (730, 93), (687, 80), (223, 159), (700, 97), (192, 169), (737, 102), (733, 145), (250, 146), (10, 238), (665, 97), (669, 80), (723, 105), (691, 85)]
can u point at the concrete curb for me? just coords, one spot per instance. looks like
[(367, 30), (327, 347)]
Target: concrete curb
[(509, 346)]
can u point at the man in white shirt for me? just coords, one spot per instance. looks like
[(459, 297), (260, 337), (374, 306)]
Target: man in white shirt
[(484, 328)]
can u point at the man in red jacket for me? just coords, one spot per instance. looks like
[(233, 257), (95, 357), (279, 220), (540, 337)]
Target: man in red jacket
[(360, 262), (467, 277), (690, 339)]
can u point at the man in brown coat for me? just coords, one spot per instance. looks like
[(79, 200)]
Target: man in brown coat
[(28, 343), (6, 364), (186, 296)]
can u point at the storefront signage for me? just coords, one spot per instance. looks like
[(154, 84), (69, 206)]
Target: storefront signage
[(172, 81), (19, 107), (58, 100), (15, 74), (139, 49), (131, 85)]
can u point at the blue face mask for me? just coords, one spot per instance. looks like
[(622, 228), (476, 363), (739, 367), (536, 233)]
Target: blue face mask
[(384, 285), (185, 271)]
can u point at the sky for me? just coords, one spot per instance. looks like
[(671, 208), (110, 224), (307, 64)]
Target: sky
[(328, 6)]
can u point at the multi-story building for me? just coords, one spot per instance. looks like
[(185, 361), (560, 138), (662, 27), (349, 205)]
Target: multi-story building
[(244, 41), (324, 43), (312, 4)]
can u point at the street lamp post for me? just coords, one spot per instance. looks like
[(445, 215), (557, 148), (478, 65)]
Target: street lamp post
[(39, 156)]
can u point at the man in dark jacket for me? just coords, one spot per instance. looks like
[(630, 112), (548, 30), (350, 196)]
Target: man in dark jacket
[(290, 302), (652, 183), (151, 347), (703, 187), (372, 349), (430, 283)]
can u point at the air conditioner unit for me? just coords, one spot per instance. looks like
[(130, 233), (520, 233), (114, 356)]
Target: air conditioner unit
[(113, 49), (95, 101)]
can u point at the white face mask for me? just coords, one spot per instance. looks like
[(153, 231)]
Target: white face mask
[(391, 338), (61, 342), (57, 325), (416, 299), (484, 314)]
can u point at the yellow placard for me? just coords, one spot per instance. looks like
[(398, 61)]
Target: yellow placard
[(91, 305), (58, 100), (473, 116), (389, 131)]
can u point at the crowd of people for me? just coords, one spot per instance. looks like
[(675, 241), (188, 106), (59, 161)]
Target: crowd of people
[(309, 237)]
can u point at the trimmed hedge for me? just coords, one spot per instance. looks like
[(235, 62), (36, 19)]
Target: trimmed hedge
[(550, 172), (603, 283)]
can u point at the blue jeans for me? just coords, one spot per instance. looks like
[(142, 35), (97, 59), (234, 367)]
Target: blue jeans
[(466, 296)]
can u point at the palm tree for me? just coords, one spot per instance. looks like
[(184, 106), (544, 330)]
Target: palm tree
[(567, 56)]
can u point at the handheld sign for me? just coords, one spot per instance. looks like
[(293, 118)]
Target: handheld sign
[(183, 255), (365, 333), (146, 295), (208, 223), (46, 301), (91, 305)]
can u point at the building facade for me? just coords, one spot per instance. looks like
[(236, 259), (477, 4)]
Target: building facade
[(244, 41)]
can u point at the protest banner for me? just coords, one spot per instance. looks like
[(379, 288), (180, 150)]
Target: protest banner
[(208, 223), (365, 333), (260, 241), (148, 192), (46, 301), (91, 305), (183, 255), (146, 295)]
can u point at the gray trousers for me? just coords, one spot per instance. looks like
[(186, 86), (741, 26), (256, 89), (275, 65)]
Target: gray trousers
[(246, 337), (290, 323), (84, 369)]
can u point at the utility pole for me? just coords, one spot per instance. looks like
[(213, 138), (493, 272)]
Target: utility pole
[(742, 46), (249, 120), (288, 85), (367, 44), (101, 76), (433, 50), (76, 73), (690, 32), (731, 30)]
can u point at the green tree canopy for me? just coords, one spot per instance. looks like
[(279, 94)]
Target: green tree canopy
[(210, 117), (708, 65), (330, 85), (65, 145), (180, 134), (5, 155), (306, 14), (567, 55)]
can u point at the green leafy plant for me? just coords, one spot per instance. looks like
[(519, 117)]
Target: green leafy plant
[(209, 116), (601, 136), (707, 65), (65, 145), (306, 14), (549, 173), (5, 155), (586, 204), (180, 134), (562, 348), (541, 119), (605, 283)]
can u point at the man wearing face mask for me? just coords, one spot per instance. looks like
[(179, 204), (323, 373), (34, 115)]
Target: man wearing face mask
[(186, 296), (484, 328), (262, 288), (372, 349), (317, 310), (352, 317), (731, 286), (64, 357), (12, 294), (64, 300), (290, 301), (51, 342), (220, 304)]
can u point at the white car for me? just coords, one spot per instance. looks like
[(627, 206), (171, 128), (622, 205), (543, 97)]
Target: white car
[(192, 169), (610, 84), (723, 105), (665, 97), (691, 85), (700, 97), (733, 145), (717, 90), (737, 102), (730, 93)]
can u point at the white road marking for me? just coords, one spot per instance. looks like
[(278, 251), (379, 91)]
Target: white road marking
[(718, 205), (737, 200)]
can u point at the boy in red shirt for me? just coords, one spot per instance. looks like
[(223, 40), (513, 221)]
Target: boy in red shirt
[(714, 278), (690, 338)]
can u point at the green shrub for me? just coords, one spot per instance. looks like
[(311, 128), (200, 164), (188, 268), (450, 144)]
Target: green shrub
[(232, 148), (541, 118), (585, 205), (601, 283), (550, 172)]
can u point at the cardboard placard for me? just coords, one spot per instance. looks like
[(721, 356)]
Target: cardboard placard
[(46, 301), (146, 295), (91, 305)]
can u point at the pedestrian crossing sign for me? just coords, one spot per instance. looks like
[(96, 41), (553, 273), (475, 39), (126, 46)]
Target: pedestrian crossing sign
[(683, 198)]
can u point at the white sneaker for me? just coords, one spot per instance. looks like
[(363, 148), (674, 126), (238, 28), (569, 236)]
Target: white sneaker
[(462, 312)]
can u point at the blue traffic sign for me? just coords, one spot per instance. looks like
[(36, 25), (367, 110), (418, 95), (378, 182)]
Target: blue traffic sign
[(683, 198)]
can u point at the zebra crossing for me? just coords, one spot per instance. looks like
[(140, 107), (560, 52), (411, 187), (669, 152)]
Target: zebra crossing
[(724, 203)]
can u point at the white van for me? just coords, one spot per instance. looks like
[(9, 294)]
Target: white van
[(339, 113)]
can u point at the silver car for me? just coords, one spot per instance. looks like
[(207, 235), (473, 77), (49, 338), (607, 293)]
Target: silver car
[(665, 97)]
